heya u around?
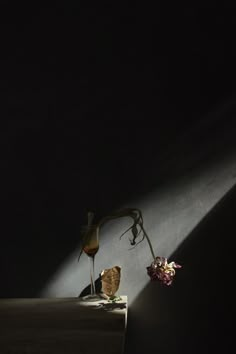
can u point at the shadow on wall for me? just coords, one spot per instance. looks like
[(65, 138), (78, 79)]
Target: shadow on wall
[(195, 314)]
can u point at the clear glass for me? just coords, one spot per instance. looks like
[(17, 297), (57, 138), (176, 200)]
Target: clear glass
[(90, 236)]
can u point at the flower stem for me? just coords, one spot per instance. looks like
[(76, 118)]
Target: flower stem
[(149, 243), (136, 215)]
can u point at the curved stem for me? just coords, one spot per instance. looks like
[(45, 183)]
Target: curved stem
[(136, 215), (149, 243)]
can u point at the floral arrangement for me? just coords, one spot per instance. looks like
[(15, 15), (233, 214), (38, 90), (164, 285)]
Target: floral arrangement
[(159, 269)]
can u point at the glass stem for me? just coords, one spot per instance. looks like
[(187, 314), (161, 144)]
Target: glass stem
[(92, 280)]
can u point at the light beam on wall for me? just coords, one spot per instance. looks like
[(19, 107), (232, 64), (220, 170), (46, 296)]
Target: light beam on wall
[(170, 213)]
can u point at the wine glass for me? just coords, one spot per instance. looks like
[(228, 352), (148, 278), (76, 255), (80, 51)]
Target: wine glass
[(90, 235)]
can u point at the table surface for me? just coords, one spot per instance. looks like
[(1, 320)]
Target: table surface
[(62, 326)]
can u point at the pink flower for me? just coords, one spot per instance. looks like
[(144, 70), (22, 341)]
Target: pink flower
[(161, 270)]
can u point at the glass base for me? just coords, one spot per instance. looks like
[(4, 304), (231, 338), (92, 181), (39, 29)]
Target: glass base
[(92, 298)]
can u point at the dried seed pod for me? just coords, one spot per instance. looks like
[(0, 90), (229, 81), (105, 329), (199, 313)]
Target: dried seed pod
[(110, 280)]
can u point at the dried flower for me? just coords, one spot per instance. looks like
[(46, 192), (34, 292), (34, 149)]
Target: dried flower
[(161, 270)]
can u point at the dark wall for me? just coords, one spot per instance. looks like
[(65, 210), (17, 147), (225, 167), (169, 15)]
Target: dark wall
[(99, 104)]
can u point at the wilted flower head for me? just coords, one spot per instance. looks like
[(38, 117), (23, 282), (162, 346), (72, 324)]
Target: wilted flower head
[(161, 270)]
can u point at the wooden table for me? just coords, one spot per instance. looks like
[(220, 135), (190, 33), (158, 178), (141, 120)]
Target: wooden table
[(62, 326)]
